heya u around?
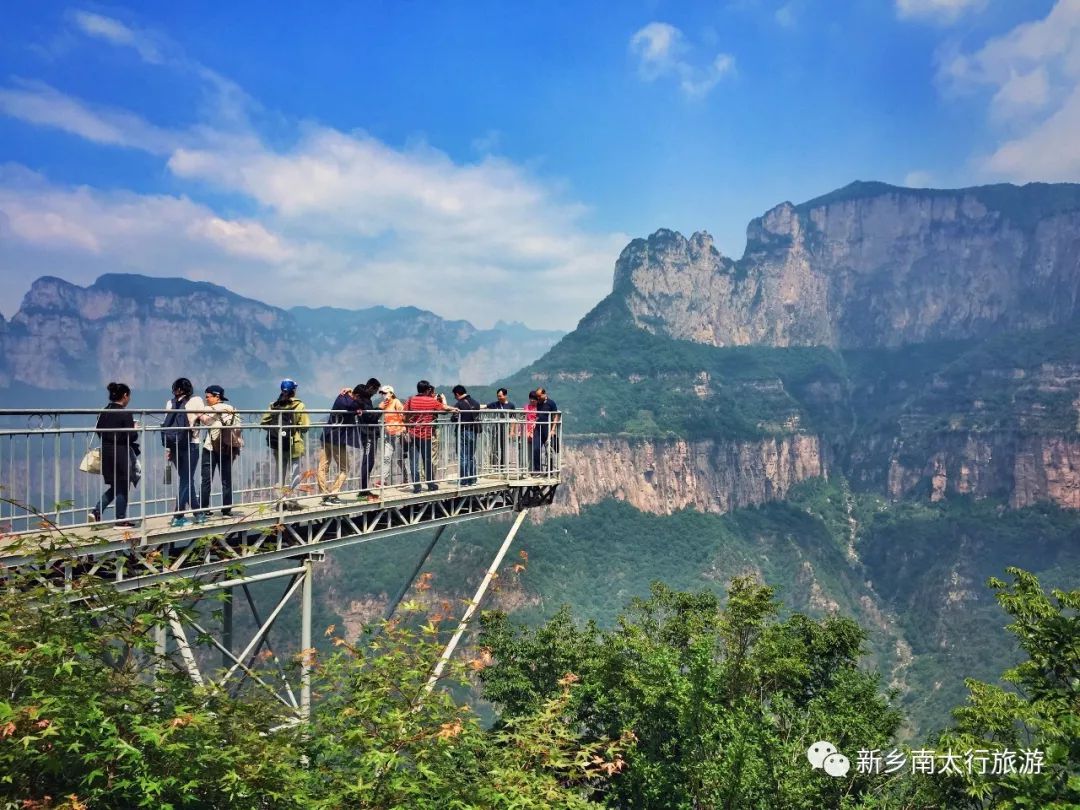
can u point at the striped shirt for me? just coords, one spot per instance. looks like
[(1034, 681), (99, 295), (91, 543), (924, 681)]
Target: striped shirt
[(420, 421)]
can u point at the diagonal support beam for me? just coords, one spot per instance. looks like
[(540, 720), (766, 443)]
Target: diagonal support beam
[(444, 659), (296, 583)]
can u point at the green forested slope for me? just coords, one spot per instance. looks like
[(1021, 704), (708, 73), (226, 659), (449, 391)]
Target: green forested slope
[(918, 580)]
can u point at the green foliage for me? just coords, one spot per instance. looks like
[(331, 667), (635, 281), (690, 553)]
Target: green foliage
[(615, 378), (378, 738), (926, 562), (722, 702), (1042, 714), (91, 717)]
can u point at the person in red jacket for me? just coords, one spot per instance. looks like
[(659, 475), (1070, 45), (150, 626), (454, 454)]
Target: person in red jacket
[(419, 416)]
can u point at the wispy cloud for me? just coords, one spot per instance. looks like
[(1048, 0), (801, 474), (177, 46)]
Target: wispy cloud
[(787, 15), (940, 12), (115, 32), (662, 51), (1031, 78), (918, 178), (38, 103)]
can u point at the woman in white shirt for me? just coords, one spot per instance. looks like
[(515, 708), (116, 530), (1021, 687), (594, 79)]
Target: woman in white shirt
[(218, 454)]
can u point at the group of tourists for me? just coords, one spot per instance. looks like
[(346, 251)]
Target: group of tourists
[(204, 434)]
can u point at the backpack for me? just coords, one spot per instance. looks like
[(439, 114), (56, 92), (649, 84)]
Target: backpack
[(175, 427), (230, 437), (279, 433)]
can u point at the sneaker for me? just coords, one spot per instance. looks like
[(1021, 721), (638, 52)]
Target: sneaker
[(127, 524), (178, 522), (432, 487), (291, 506), (94, 516), (364, 495), (202, 517), (334, 499), (416, 489), (226, 512)]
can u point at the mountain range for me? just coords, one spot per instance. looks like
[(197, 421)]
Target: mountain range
[(148, 331), (874, 409)]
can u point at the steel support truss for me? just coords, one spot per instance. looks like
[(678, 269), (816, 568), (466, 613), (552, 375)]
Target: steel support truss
[(290, 548)]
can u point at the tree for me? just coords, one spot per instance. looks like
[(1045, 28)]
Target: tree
[(722, 702), (90, 716), (1041, 714)]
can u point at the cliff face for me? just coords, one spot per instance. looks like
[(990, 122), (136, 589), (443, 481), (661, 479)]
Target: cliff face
[(665, 476), (149, 331), (869, 265)]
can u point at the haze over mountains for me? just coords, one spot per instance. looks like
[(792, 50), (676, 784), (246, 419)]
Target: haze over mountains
[(148, 331)]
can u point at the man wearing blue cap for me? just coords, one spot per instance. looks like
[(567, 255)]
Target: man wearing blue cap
[(287, 421)]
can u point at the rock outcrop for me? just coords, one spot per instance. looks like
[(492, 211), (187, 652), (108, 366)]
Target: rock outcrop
[(665, 476), (869, 265)]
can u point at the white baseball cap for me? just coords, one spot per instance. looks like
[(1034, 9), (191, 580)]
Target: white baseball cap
[(386, 389)]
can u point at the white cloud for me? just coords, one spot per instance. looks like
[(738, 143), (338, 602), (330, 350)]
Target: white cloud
[(37, 103), (1031, 77), (787, 15), (340, 218), (117, 33), (1049, 151), (918, 178), (662, 51), (937, 11), (1022, 94)]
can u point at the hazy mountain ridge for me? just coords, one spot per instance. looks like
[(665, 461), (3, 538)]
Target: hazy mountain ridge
[(148, 331)]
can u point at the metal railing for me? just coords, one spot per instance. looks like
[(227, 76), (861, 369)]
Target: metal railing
[(259, 463)]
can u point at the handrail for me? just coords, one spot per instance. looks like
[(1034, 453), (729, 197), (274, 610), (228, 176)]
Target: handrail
[(277, 465)]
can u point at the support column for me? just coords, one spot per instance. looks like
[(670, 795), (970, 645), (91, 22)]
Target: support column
[(305, 640), (227, 628)]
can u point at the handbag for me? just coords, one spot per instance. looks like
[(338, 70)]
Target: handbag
[(91, 462)]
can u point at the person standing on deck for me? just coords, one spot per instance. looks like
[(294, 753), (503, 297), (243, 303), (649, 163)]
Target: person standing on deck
[(393, 430), (546, 418), (468, 419), (217, 454), (501, 426), (420, 412), (119, 453), (287, 421), (340, 432), (180, 436)]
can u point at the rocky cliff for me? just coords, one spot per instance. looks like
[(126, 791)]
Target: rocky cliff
[(148, 331), (665, 476), (923, 343), (869, 265)]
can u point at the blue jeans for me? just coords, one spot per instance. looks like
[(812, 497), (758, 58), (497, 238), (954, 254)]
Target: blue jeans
[(467, 456), (419, 450), (185, 456), (119, 491), (539, 439)]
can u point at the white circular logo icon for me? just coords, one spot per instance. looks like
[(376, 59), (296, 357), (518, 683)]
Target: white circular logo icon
[(837, 765), (817, 752)]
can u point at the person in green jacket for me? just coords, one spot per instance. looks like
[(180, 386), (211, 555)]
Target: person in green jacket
[(287, 421)]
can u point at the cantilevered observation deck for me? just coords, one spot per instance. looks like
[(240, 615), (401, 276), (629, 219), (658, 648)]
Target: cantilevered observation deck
[(281, 521)]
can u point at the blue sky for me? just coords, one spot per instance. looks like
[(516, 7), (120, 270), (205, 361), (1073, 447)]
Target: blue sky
[(489, 160)]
